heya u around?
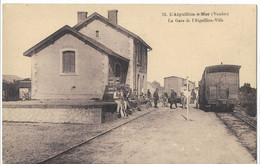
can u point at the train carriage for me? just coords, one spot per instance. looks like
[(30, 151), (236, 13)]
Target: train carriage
[(219, 87)]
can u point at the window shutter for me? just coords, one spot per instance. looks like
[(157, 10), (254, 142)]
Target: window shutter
[(68, 62)]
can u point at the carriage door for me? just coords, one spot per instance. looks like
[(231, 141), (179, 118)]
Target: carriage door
[(212, 93), (223, 89)]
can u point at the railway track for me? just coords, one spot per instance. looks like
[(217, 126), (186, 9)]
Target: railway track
[(243, 128), (250, 122), (48, 160)]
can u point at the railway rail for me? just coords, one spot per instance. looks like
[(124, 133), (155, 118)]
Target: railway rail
[(48, 160), (250, 122), (243, 128)]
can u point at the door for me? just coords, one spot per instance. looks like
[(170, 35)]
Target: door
[(223, 91), (118, 74)]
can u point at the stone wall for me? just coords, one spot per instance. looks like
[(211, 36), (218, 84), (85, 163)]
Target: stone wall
[(53, 115)]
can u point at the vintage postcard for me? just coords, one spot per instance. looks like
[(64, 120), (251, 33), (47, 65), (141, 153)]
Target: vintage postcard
[(135, 83)]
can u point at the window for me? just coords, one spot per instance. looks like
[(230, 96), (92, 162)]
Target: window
[(138, 54), (68, 62), (144, 56), (97, 34)]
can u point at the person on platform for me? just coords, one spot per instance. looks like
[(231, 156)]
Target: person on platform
[(127, 97), (133, 100), (196, 99), (117, 99), (156, 98), (122, 98), (193, 96), (149, 95), (173, 99), (149, 98), (165, 99)]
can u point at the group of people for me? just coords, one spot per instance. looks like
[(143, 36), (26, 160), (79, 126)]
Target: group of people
[(121, 97), (186, 97), (127, 101), (172, 99), (166, 99)]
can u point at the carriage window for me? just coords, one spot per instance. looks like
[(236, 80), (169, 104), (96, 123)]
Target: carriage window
[(68, 61)]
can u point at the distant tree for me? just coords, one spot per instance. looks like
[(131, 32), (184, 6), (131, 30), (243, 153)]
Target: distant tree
[(27, 79), (10, 90), (156, 84), (247, 96), (245, 88)]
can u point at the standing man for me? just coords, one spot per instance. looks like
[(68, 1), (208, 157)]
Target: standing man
[(156, 97), (193, 96), (173, 98), (165, 99), (197, 98)]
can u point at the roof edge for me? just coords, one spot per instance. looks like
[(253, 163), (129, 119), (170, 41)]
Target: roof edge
[(178, 78), (65, 30), (225, 65), (118, 27)]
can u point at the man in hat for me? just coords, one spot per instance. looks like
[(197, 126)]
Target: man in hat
[(156, 97), (173, 98)]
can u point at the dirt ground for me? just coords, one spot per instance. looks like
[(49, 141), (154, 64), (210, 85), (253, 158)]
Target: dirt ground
[(162, 136), (34, 142), (165, 136)]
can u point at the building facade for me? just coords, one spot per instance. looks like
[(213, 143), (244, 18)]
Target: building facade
[(80, 62)]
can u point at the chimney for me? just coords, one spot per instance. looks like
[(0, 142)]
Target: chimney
[(82, 16), (112, 16)]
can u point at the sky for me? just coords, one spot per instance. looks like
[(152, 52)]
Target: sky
[(178, 48)]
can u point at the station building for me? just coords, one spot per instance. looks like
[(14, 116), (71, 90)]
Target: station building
[(84, 60)]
